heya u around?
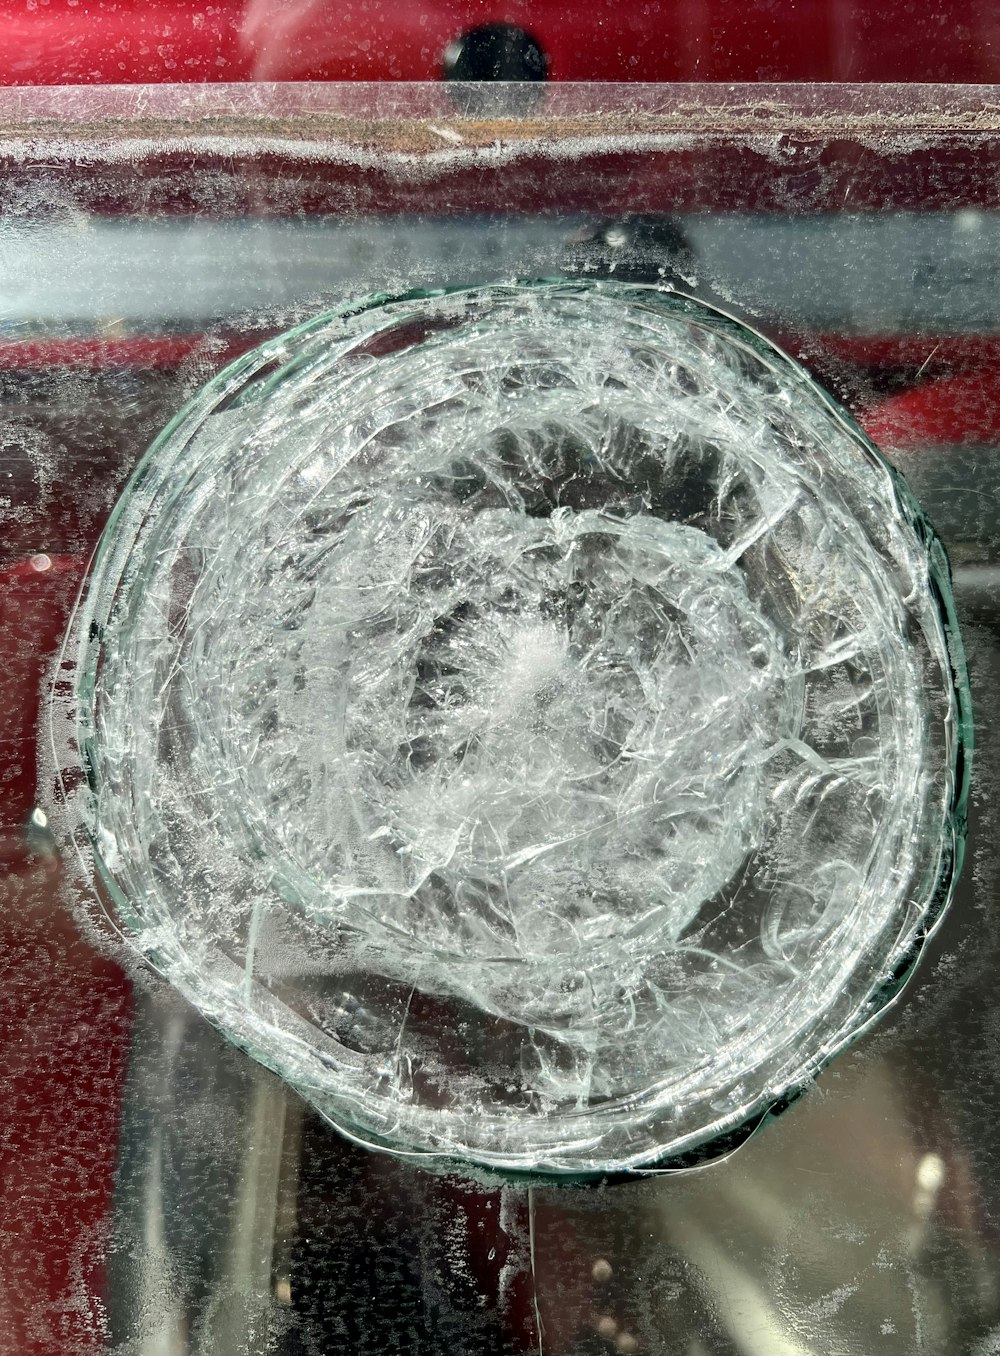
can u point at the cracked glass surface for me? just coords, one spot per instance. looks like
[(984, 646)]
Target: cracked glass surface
[(527, 718)]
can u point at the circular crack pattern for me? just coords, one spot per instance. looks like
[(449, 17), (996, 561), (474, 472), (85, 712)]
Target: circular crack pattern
[(526, 718)]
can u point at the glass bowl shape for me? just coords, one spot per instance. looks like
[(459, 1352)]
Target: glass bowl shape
[(529, 718)]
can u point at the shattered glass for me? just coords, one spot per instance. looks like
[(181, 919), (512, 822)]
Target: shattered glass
[(529, 719)]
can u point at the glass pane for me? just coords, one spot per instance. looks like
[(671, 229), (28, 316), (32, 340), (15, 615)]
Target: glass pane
[(160, 1190)]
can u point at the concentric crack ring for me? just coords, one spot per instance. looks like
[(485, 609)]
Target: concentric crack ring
[(526, 718)]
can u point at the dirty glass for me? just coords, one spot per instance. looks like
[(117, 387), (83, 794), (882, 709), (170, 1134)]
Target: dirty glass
[(161, 1190)]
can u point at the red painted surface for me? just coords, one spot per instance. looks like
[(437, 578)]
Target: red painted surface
[(64, 1031), (36, 596), (151, 41), (64, 1022), (100, 354), (954, 411)]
